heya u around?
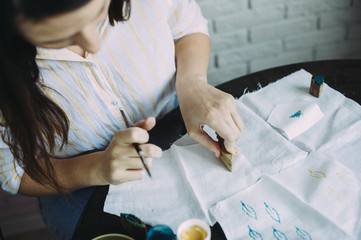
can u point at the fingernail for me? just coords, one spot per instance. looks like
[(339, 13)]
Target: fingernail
[(217, 154), (236, 151)]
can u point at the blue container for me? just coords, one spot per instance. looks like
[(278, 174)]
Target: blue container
[(161, 232)]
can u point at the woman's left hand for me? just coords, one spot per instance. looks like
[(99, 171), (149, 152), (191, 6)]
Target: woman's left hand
[(202, 104)]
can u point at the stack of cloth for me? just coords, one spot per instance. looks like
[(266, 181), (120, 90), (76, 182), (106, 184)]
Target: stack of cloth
[(298, 175)]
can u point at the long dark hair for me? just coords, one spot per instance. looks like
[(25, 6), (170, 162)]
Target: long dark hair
[(30, 121)]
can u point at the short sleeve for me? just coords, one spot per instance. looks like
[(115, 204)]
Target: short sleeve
[(185, 17), (10, 171)]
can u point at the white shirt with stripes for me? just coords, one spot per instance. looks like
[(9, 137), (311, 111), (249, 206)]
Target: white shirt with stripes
[(134, 70)]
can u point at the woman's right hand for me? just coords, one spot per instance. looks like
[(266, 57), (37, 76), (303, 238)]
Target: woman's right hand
[(119, 162)]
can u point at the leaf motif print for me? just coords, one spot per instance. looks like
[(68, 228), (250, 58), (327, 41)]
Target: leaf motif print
[(345, 179), (303, 234), (338, 196), (279, 235), (254, 235), (249, 211), (272, 213), (317, 174)]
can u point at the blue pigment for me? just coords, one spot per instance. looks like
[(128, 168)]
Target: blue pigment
[(249, 211), (318, 79), (297, 114), (254, 235), (273, 213), (303, 234), (279, 235), (161, 232)]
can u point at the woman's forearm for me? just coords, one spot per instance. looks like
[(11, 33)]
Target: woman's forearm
[(192, 56), (200, 103), (118, 163), (71, 174)]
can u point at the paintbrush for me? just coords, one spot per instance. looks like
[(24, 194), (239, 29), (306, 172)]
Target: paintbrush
[(136, 145)]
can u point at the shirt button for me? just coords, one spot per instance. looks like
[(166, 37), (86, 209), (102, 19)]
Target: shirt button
[(89, 64), (114, 103)]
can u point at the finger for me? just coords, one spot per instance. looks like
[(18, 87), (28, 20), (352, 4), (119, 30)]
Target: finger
[(231, 147), (229, 131), (137, 162), (204, 139), (238, 120), (133, 162), (147, 124), (123, 153), (150, 150), (122, 176), (131, 135)]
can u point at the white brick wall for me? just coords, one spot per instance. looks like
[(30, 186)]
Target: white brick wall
[(252, 35)]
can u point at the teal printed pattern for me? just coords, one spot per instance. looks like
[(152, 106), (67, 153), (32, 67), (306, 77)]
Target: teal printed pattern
[(273, 213), (303, 234), (279, 235), (254, 235), (296, 114), (249, 211)]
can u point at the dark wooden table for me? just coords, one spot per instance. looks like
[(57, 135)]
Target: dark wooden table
[(342, 75)]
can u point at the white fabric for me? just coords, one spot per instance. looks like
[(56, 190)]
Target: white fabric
[(336, 135), (339, 112), (294, 118), (308, 187), (166, 198), (207, 178), (319, 196)]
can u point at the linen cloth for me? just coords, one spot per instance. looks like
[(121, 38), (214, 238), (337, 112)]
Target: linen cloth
[(308, 183), (292, 119), (123, 74), (318, 198), (340, 113), (336, 135), (263, 151), (166, 198), (187, 180)]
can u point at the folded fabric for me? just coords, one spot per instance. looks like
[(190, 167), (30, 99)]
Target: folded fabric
[(339, 111), (292, 119), (275, 189), (327, 186), (188, 179), (166, 198), (315, 199), (263, 151), (346, 146), (337, 134)]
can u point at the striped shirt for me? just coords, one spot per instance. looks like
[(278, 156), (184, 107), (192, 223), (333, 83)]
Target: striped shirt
[(134, 70)]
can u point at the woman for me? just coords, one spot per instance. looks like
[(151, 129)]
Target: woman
[(67, 69)]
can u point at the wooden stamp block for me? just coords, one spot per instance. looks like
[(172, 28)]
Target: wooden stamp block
[(226, 157), (316, 86)]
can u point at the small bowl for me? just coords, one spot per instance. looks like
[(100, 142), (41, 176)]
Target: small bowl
[(192, 222), (113, 236)]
